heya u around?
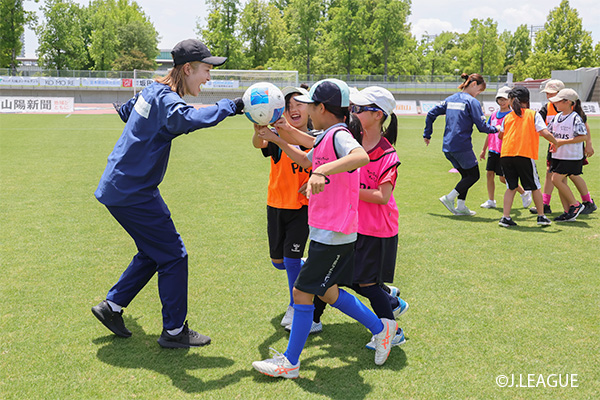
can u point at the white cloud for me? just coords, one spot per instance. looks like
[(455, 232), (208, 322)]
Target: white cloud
[(431, 26)]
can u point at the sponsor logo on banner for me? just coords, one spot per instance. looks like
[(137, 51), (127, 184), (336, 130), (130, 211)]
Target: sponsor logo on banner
[(101, 82), (59, 82), (127, 82), (591, 108), (36, 104), (426, 106), (19, 81), (406, 107), (222, 84), (143, 82)]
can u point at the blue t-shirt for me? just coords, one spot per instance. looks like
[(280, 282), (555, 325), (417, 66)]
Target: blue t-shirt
[(138, 162), (462, 111)]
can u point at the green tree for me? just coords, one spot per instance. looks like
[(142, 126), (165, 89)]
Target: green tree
[(483, 51), (343, 47), (438, 56), (12, 26), (564, 34), (303, 21), (255, 32), (540, 65), (388, 32), (518, 47), (60, 37), (121, 36), (220, 34)]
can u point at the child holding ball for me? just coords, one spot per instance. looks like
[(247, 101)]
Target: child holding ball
[(333, 192)]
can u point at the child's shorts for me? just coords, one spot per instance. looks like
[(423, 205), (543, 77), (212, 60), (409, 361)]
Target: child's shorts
[(493, 163), (375, 259), (520, 168), (287, 231), (567, 167), (326, 266)]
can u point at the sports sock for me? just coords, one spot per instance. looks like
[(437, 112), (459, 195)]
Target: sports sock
[(175, 332), (460, 204), (319, 309), (586, 197), (452, 195), (352, 307), (292, 267), (300, 329), (114, 306), (546, 198), (280, 266), (380, 302)]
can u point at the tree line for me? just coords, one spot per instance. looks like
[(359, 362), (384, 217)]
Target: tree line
[(354, 37)]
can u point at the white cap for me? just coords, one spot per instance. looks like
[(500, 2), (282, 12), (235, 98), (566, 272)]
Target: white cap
[(377, 95), (553, 86), (503, 92), (291, 89), (565, 94)]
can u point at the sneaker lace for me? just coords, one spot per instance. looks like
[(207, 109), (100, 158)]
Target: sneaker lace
[(277, 356)]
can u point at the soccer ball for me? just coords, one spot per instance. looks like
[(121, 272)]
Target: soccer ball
[(263, 103)]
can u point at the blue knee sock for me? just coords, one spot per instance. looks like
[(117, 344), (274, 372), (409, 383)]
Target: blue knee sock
[(351, 306), (301, 324), (292, 266), (278, 265)]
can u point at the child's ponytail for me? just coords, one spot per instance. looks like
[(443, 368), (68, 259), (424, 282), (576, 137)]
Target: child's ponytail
[(354, 126), (577, 108), (391, 132)]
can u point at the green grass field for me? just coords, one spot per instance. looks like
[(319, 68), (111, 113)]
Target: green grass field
[(484, 301)]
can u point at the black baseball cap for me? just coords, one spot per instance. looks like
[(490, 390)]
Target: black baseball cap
[(194, 50)]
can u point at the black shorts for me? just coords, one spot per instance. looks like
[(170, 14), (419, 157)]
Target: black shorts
[(523, 169), (567, 167), (493, 163), (375, 259), (287, 231), (326, 266)]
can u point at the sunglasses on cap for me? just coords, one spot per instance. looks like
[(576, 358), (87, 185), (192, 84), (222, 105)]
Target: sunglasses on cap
[(354, 109)]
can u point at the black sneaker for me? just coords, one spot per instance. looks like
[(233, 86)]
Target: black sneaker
[(543, 220), (574, 211), (547, 209), (186, 338), (506, 222), (562, 217), (590, 207), (112, 320)]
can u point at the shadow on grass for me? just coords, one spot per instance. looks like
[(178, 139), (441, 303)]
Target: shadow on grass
[(344, 342), (142, 351)]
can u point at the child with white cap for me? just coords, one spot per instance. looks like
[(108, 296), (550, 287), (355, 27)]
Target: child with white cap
[(493, 144), (548, 112), (567, 155)]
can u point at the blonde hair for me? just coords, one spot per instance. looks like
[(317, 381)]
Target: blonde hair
[(176, 78)]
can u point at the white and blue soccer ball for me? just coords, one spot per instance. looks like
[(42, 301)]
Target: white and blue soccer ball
[(264, 103)]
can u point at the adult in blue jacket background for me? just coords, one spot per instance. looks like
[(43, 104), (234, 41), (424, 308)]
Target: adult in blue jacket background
[(129, 190), (462, 110)]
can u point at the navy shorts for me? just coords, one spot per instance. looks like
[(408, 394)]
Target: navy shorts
[(375, 259), (287, 231), (523, 169), (462, 159), (493, 163), (326, 266)]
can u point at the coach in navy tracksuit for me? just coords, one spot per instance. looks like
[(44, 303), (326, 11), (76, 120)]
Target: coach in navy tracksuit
[(462, 110), (129, 190)]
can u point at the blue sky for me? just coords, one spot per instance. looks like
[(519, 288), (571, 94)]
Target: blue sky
[(176, 20)]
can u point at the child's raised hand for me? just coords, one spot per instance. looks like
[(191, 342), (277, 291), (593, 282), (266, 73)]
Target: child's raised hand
[(282, 124), (265, 133)]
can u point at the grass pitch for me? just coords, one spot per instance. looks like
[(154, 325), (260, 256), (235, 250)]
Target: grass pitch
[(484, 301)]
